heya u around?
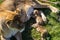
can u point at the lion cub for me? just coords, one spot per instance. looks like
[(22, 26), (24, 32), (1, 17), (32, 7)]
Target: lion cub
[(39, 17), (38, 25)]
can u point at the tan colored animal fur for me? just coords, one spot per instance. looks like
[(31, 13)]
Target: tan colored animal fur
[(26, 9), (6, 29), (8, 4)]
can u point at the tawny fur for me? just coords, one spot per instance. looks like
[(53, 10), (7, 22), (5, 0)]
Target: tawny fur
[(6, 16), (8, 4), (26, 9)]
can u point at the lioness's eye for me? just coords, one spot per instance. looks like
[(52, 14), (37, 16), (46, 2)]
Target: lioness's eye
[(9, 22)]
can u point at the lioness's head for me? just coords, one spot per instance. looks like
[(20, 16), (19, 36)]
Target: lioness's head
[(26, 11), (16, 21)]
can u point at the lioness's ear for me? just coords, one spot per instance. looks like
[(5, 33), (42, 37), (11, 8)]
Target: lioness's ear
[(17, 11)]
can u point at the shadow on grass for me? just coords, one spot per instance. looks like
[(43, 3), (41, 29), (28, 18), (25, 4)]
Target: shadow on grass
[(27, 33), (49, 37)]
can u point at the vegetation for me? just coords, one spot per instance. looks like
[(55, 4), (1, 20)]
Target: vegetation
[(53, 26)]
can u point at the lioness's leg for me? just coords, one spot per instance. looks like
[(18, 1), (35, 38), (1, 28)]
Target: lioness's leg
[(18, 36)]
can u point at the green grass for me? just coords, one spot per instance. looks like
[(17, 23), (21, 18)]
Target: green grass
[(53, 26)]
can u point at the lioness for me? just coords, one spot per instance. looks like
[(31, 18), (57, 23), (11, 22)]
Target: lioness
[(10, 24), (27, 9)]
